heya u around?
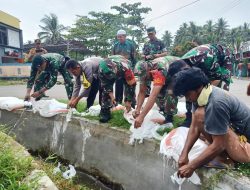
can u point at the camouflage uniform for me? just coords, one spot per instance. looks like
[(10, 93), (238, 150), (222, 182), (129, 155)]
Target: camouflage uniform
[(48, 77), (214, 60), (157, 69), (150, 48), (153, 47), (111, 69), (127, 50)]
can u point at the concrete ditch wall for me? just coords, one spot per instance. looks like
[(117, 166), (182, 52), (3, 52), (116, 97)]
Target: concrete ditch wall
[(100, 149)]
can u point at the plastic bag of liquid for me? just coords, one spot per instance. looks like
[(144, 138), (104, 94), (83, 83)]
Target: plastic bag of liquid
[(11, 103), (69, 173), (57, 169), (148, 128), (49, 108), (172, 145)]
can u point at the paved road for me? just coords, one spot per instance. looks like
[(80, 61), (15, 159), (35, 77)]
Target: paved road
[(238, 88)]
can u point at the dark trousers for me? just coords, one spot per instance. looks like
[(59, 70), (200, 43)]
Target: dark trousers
[(119, 88), (95, 86)]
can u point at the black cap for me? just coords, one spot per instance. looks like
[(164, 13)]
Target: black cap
[(151, 30)]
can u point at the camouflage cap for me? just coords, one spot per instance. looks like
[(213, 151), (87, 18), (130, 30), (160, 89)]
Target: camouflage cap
[(151, 30), (37, 61), (204, 53), (141, 69)]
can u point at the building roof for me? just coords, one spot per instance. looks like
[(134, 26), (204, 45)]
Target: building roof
[(9, 20)]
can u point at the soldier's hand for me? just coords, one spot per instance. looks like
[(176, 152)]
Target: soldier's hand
[(138, 122), (135, 113), (128, 106), (27, 97), (35, 94), (72, 103)]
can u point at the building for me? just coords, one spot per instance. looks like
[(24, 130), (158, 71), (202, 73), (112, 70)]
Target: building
[(11, 48)]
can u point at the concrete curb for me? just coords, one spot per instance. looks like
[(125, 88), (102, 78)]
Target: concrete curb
[(102, 150)]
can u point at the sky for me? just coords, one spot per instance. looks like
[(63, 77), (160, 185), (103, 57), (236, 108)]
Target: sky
[(30, 12)]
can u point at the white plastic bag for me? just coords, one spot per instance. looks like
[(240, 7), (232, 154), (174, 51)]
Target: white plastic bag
[(49, 108), (172, 145), (11, 103), (69, 173), (148, 128)]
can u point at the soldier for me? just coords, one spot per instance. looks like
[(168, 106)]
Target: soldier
[(213, 60), (126, 48), (111, 69), (44, 71), (152, 49), (155, 71), (88, 71)]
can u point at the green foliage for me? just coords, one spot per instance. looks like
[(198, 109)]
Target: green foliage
[(52, 30), (210, 32), (167, 39), (180, 50), (98, 30), (243, 168), (12, 82), (81, 106), (13, 169)]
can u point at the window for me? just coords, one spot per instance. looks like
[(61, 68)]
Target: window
[(3, 36), (1, 72)]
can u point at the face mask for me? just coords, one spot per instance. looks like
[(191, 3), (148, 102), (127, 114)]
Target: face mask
[(204, 95)]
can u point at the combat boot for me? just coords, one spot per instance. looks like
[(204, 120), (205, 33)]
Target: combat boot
[(105, 115)]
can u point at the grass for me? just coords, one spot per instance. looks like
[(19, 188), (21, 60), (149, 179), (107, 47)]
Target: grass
[(243, 168), (13, 169), (13, 82), (48, 166)]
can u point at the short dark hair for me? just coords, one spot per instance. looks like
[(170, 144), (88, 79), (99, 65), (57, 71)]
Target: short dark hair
[(189, 79), (71, 64), (176, 67)]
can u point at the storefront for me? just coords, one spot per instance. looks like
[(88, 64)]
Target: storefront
[(11, 48)]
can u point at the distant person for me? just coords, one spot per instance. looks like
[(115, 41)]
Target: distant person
[(220, 117), (126, 48), (248, 90), (86, 76), (239, 68), (37, 50), (43, 75)]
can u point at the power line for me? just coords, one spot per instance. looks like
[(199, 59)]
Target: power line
[(170, 12)]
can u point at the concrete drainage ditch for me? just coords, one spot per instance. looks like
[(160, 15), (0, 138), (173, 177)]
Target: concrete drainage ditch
[(103, 149)]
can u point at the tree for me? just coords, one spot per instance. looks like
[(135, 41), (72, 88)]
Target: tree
[(98, 29), (208, 32), (167, 39), (52, 30), (221, 29)]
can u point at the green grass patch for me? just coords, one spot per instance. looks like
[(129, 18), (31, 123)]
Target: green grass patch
[(13, 169), (81, 106), (13, 82), (48, 166), (176, 122), (243, 168)]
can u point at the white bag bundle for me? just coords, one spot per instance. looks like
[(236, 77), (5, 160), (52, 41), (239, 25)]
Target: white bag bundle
[(11, 103), (172, 145)]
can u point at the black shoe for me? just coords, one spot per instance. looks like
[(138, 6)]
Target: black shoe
[(169, 119), (105, 116)]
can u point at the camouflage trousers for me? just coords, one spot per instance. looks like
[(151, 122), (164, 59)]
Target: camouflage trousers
[(167, 102), (45, 77), (107, 83)]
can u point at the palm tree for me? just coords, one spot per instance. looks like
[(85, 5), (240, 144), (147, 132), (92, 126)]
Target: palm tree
[(208, 32), (167, 39), (194, 32), (221, 29), (52, 30)]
